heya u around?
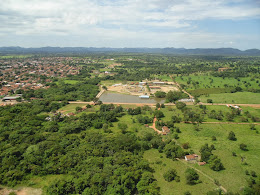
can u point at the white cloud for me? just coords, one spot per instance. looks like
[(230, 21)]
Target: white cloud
[(121, 19)]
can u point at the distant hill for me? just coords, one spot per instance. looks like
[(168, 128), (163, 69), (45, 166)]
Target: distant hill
[(177, 51)]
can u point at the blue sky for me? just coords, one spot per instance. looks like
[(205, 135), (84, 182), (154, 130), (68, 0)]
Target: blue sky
[(131, 23)]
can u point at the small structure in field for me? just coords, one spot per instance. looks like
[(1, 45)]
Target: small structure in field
[(165, 130), (191, 157), (144, 96)]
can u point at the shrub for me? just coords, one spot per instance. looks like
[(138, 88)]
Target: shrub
[(192, 177), (185, 145), (243, 147), (213, 138), (170, 175), (252, 127), (178, 130), (215, 163), (253, 174), (209, 101), (180, 105), (176, 136), (160, 94), (232, 136), (243, 119)]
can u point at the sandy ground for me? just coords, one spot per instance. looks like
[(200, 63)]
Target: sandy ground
[(165, 88), (140, 90), (22, 191)]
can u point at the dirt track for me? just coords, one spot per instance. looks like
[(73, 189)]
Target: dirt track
[(153, 126), (166, 104)]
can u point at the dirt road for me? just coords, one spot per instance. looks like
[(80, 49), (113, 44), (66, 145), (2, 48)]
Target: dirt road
[(153, 126)]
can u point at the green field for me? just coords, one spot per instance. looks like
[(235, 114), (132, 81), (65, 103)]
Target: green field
[(70, 81), (111, 82), (233, 177), (169, 111), (161, 164), (162, 77), (205, 81), (231, 98), (72, 108)]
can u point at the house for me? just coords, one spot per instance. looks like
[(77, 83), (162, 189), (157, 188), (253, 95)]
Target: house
[(191, 157), (165, 130)]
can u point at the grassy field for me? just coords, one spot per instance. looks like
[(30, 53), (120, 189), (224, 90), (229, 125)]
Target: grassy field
[(111, 82), (169, 111), (70, 81), (162, 77), (161, 164), (231, 98), (205, 81), (72, 108), (233, 177)]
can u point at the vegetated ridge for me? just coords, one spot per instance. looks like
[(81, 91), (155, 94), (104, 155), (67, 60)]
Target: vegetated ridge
[(169, 50)]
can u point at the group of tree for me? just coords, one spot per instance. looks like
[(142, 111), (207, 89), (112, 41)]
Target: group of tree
[(173, 96), (213, 160), (85, 91)]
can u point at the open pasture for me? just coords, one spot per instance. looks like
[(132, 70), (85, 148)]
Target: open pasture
[(233, 98), (204, 81)]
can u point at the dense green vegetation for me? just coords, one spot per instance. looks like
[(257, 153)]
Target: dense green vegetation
[(95, 162), (85, 91)]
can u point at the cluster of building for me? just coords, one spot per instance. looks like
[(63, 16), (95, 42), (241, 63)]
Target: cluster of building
[(34, 73)]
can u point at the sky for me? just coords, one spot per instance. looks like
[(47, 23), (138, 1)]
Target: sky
[(131, 23)]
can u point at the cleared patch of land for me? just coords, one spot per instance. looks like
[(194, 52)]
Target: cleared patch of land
[(134, 88)]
